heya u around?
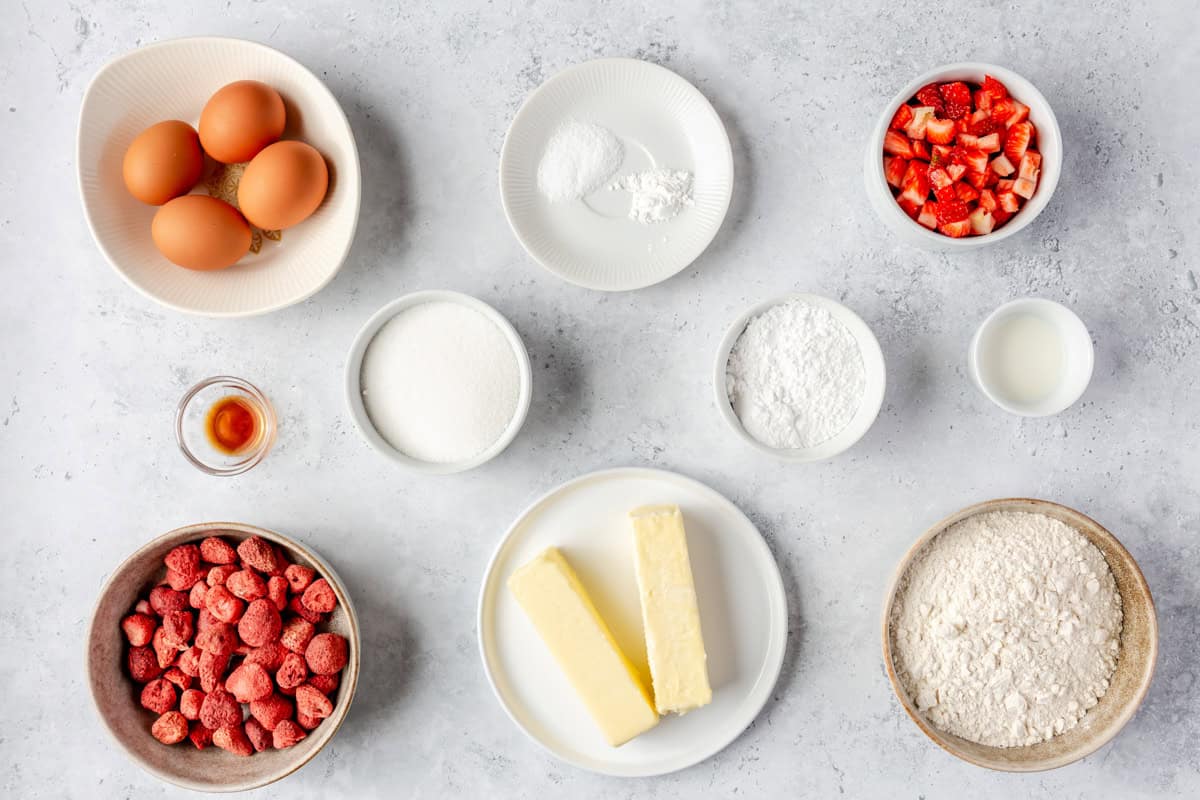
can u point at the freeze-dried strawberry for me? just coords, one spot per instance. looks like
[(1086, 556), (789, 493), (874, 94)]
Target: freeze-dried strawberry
[(246, 584), (143, 664), (271, 711), (216, 550), (139, 629), (196, 595), (164, 599), (189, 662), (327, 684), (184, 558), (326, 653), (296, 633), (270, 656), (249, 682), (201, 736), (158, 696), (220, 639), (259, 554), (190, 702), (220, 710), (178, 629), (170, 728), (184, 581), (143, 607), (259, 736), (292, 672), (233, 740), (298, 608), (260, 624), (277, 591), (166, 652), (298, 577), (319, 596), (212, 669), (178, 677), (286, 734), (307, 722), (221, 603), (218, 575)]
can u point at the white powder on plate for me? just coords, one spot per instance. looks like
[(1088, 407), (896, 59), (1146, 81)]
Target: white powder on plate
[(795, 377), (657, 194), (440, 382), (1006, 628), (579, 159)]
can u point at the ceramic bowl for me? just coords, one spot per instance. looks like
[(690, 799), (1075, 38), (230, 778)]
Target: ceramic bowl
[(868, 410), (1078, 357), (1049, 144), (116, 696), (1127, 688), (173, 80), (358, 410)]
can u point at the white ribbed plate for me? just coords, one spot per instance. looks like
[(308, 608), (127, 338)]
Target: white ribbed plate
[(173, 80), (663, 121), (743, 615)]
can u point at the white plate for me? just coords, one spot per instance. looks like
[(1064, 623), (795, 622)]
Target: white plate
[(173, 80), (743, 613), (663, 121)]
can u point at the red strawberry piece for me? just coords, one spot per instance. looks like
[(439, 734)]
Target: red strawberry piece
[(170, 728), (983, 101), (312, 703), (956, 230), (292, 672), (220, 639), (216, 550), (143, 664), (940, 131), (1002, 166), (920, 150), (246, 584), (270, 656), (260, 624), (931, 96), (978, 179), (897, 144), (200, 736), (1020, 113), (981, 124), (299, 577), (164, 599), (158, 696), (1017, 141), (249, 682), (298, 608), (222, 604), (955, 92), (271, 711), (319, 596), (189, 662), (973, 158), (327, 653), (945, 193), (218, 575), (259, 736), (286, 734), (893, 173), (185, 559), (921, 117), (212, 668), (938, 178), (297, 632), (220, 709), (257, 553), (990, 143), (982, 223), (233, 740), (914, 188), (956, 171), (178, 677), (909, 207), (1001, 216), (966, 192), (994, 88), (327, 684), (941, 155), (190, 702), (902, 117), (951, 210), (1008, 201), (987, 200), (178, 629), (928, 218), (139, 629), (196, 595), (164, 650)]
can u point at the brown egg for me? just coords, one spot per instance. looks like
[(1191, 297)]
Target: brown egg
[(283, 185), (200, 232), (164, 161), (241, 119)]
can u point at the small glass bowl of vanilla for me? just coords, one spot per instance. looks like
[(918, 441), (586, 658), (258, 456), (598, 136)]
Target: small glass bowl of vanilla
[(225, 425)]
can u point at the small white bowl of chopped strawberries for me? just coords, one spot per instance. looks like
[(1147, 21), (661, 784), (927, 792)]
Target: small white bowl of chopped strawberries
[(965, 155)]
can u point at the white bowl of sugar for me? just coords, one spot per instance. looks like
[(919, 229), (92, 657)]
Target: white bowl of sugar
[(439, 382)]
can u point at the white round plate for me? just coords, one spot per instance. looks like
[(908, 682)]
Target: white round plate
[(663, 121), (173, 80), (743, 614)]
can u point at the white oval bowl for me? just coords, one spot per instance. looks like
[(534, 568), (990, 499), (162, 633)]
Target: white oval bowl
[(1079, 355), (173, 80), (1049, 144), (354, 380), (873, 364)]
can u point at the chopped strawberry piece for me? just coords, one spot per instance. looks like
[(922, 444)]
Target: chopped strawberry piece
[(897, 144), (1004, 185), (957, 97), (939, 178), (1001, 216), (990, 178), (1017, 141), (1002, 166), (931, 96), (940, 131), (928, 216), (966, 192), (956, 230), (1024, 187), (945, 194), (990, 143), (956, 171), (1020, 113), (893, 169), (977, 179), (909, 207), (1002, 110), (902, 117), (987, 200), (915, 184), (920, 150), (994, 88), (1008, 201), (983, 101), (982, 222), (1030, 164), (975, 159), (968, 140), (951, 210), (921, 117), (941, 155)]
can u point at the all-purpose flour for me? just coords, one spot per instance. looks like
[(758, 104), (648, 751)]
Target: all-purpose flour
[(795, 377), (1006, 628)]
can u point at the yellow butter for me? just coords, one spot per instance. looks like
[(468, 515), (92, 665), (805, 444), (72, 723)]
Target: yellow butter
[(550, 593), (670, 614)]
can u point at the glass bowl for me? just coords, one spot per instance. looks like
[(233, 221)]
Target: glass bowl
[(192, 426)]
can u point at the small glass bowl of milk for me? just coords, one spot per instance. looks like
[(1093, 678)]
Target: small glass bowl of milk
[(1032, 357)]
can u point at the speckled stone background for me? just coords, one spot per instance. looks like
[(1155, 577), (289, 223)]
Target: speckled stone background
[(90, 373)]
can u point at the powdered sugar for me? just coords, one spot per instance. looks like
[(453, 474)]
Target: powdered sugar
[(579, 159), (1006, 628), (657, 195), (795, 376)]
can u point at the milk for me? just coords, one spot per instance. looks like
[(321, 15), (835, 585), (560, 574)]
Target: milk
[(1022, 358)]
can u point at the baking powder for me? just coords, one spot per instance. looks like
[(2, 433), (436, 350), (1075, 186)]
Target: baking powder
[(579, 159), (795, 377), (656, 195), (1006, 628), (440, 382)]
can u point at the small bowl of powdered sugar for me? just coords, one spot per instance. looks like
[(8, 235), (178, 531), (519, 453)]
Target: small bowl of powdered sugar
[(800, 377), (438, 381)]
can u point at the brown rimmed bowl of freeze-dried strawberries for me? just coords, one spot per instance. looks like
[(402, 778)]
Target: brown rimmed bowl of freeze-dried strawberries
[(223, 657)]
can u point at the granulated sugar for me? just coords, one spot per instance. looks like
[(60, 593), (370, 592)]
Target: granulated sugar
[(578, 160)]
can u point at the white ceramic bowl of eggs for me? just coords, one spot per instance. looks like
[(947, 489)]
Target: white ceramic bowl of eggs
[(173, 80)]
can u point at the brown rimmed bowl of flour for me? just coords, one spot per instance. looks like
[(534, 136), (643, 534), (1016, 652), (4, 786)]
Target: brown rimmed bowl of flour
[(1019, 635), (800, 377)]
